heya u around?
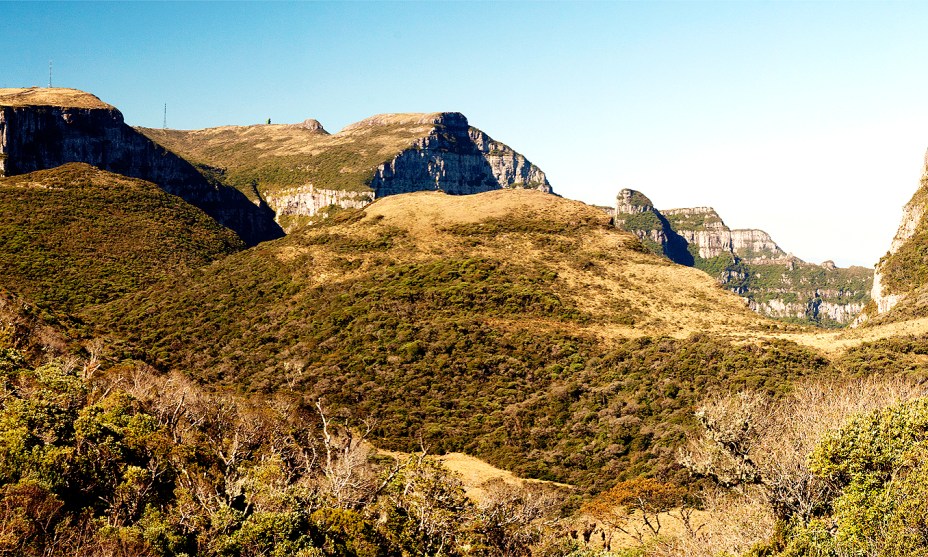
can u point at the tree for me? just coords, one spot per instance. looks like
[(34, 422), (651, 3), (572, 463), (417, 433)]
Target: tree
[(641, 498)]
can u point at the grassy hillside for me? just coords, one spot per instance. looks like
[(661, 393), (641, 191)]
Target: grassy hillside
[(75, 235), (272, 157), (512, 325), (54, 96)]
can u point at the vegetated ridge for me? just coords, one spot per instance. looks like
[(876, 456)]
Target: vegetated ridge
[(747, 262), (513, 325), (901, 276), (45, 128), (300, 169), (75, 236)]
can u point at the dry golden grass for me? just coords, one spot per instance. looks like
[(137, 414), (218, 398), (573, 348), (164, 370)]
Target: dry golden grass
[(663, 298), (279, 157), (668, 299), (56, 96), (475, 474), (833, 342)]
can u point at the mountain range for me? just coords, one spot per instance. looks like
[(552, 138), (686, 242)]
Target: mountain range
[(235, 341)]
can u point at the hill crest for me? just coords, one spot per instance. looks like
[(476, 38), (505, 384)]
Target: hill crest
[(55, 96)]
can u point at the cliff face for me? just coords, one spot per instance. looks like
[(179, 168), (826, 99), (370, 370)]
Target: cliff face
[(300, 170), (308, 201), (747, 261), (703, 229), (459, 160), (756, 245), (38, 137), (902, 273)]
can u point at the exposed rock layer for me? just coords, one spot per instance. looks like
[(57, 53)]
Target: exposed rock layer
[(747, 262), (459, 160), (37, 137), (903, 272), (300, 169)]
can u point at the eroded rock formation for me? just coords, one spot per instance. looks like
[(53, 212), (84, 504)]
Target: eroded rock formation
[(746, 261)]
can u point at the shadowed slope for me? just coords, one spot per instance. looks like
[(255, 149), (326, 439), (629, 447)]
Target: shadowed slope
[(76, 235)]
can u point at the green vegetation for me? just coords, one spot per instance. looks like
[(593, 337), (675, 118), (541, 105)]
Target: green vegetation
[(906, 270), (490, 352), (644, 222), (875, 465), (690, 219), (121, 461), (75, 236), (717, 267)]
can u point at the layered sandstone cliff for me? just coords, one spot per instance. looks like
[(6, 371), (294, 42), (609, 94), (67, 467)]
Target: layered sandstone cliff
[(746, 261), (45, 128), (903, 271)]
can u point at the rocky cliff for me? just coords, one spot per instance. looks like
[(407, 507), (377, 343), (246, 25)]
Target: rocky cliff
[(902, 273), (703, 230), (299, 170), (457, 159), (45, 128), (756, 246), (746, 261)]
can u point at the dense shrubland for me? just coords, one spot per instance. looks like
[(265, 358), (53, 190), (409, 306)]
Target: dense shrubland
[(119, 460), (76, 235)]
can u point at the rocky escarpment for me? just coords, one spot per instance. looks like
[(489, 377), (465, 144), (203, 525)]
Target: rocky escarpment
[(703, 230), (458, 160), (756, 246), (308, 200), (747, 261), (300, 169), (46, 128), (902, 273)]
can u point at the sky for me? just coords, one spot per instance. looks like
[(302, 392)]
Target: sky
[(806, 120)]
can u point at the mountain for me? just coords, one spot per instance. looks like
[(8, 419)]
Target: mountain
[(45, 128), (300, 169), (901, 275), (748, 262), (513, 325), (77, 235)]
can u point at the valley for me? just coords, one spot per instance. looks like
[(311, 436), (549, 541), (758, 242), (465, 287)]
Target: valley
[(397, 340)]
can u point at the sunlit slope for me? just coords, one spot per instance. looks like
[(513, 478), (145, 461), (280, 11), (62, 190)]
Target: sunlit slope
[(513, 325), (294, 165), (76, 235), (276, 156)]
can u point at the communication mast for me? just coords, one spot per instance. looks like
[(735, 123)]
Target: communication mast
[(49, 74), (164, 125)]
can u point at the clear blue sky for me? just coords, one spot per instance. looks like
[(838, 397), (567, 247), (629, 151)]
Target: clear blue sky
[(808, 120)]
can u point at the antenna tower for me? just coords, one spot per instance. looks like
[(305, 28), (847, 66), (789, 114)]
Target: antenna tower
[(164, 125), (49, 74)]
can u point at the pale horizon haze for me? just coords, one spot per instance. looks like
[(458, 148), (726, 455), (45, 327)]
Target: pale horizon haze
[(806, 120)]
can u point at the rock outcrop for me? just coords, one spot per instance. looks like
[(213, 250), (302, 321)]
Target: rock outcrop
[(308, 201), (45, 128), (746, 261), (703, 228), (299, 169), (904, 268), (757, 246)]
